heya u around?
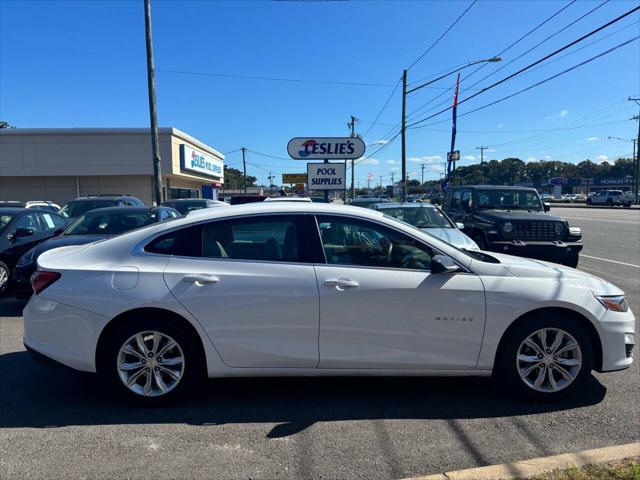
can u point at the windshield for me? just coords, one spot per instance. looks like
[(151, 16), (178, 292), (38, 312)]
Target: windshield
[(76, 209), (4, 221), (112, 223), (508, 199), (185, 207), (420, 217)]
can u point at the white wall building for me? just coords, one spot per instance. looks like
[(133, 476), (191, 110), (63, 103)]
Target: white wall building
[(60, 164)]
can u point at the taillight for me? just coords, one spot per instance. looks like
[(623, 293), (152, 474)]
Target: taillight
[(42, 279)]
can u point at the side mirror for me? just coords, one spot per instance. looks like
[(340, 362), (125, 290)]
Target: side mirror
[(460, 226), (547, 206), (443, 264), (21, 232)]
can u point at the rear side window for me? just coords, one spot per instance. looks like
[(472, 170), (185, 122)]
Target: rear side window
[(185, 242)]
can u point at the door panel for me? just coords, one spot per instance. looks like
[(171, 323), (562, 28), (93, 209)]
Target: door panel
[(257, 314), (399, 319)]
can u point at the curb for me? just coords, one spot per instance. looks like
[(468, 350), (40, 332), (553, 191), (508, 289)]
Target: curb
[(538, 466)]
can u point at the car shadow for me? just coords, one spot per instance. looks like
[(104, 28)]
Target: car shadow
[(37, 396)]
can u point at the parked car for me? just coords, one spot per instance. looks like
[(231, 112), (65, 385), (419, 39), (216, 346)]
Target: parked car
[(430, 219), (287, 199), (312, 289), (513, 220), (81, 205), (366, 202), (610, 198), (39, 204), (20, 230), (94, 225), (579, 198), (186, 205)]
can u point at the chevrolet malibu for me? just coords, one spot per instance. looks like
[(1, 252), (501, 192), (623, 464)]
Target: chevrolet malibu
[(276, 289)]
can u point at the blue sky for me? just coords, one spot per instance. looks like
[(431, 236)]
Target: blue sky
[(82, 64)]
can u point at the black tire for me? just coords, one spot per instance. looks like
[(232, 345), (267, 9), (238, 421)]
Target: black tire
[(506, 367), (190, 347), (589, 202), (572, 261), (609, 202), (626, 205), (5, 278)]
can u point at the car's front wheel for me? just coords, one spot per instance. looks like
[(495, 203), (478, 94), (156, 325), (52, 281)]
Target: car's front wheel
[(545, 359), (151, 361), (5, 275)]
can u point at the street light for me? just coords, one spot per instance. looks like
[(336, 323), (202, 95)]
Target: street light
[(404, 111)]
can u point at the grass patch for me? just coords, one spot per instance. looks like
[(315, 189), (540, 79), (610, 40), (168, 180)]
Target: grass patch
[(627, 470)]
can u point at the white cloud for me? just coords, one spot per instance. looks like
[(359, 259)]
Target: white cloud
[(469, 157), (370, 161), (593, 139), (425, 159), (602, 158), (380, 142), (560, 114), (392, 162), (394, 169), (531, 159), (546, 157), (500, 125)]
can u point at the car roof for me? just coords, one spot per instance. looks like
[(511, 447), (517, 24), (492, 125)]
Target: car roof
[(136, 209), (491, 187), (14, 210), (384, 206)]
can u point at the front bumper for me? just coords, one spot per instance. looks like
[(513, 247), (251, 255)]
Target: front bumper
[(613, 328), (554, 251), (62, 333)]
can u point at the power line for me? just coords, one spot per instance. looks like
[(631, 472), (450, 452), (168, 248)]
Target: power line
[(480, 67), (606, 52), (443, 35), (383, 108), (273, 79), (531, 65)]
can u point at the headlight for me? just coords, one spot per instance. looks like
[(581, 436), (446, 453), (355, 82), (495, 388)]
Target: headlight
[(26, 259), (559, 228), (615, 303), (575, 231), (507, 227)]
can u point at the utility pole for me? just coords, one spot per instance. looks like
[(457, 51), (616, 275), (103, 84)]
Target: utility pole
[(422, 181), (482, 149), (244, 168), (352, 126), (151, 84), (380, 185), (403, 130), (636, 156)]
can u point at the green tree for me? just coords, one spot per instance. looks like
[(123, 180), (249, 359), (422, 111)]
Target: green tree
[(233, 179)]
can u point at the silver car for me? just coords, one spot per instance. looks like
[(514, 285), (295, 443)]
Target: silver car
[(429, 218)]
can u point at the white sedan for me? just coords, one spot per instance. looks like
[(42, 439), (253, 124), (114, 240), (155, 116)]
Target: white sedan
[(277, 288)]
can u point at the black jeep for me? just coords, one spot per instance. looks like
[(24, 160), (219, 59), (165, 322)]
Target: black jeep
[(513, 220)]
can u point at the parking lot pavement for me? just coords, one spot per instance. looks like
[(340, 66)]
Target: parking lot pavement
[(59, 423)]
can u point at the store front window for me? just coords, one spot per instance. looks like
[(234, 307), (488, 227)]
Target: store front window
[(184, 193)]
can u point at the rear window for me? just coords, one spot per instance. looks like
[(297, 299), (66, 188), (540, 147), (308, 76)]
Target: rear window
[(77, 209), (110, 223)]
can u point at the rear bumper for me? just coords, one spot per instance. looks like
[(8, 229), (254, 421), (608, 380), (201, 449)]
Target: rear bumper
[(555, 251), (62, 333)]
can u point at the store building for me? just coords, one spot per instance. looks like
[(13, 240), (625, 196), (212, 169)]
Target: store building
[(60, 164)]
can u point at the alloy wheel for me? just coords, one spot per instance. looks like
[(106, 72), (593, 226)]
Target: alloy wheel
[(150, 363), (549, 360), (4, 277)]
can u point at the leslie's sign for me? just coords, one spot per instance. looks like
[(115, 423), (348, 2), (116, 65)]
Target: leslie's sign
[(200, 162), (321, 148)]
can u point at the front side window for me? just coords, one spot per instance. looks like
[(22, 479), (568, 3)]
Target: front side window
[(51, 221), (349, 241), (29, 222), (508, 199), (455, 203), (5, 219)]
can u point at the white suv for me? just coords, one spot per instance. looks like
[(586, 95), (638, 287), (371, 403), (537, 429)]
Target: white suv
[(276, 289), (610, 198)]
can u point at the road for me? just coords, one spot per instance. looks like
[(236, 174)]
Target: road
[(57, 423)]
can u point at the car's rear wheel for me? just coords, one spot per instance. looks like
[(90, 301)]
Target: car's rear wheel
[(545, 359), (5, 275), (151, 361)]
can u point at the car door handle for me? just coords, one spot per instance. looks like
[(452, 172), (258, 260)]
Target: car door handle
[(200, 279), (341, 283)]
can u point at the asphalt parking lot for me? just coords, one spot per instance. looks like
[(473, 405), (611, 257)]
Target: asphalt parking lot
[(58, 423)]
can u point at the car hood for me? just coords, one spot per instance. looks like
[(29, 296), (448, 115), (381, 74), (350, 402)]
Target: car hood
[(453, 236), (522, 267), (517, 215), (64, 241)]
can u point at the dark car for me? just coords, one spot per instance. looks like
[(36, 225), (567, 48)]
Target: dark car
[(185, 205), (81, 205), (39, 204), (21, 229), (513, 220), (93, 226), (366, 202)]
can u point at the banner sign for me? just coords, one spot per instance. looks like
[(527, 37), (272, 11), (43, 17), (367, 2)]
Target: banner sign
[(558, 181), (326, 176), (196, 161), (329, 148), (294, 178)]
